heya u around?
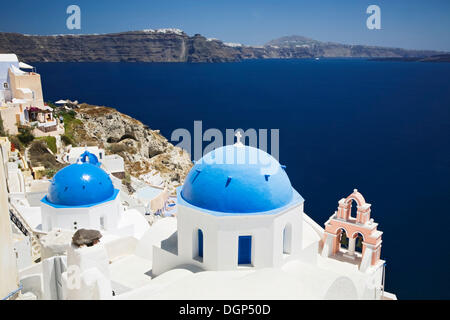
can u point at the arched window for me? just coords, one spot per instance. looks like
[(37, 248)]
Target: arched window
[(287, 239), (197, 245), (353, 209), (200, 243)]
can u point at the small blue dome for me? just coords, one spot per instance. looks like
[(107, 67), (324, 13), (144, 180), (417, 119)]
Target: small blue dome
[(237, 179), (80, 184), (87, 157)]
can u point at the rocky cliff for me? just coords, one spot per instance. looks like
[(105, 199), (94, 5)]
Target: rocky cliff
[(299, 47), (434, 58), (138, 46), (143, 149), (172, 45)]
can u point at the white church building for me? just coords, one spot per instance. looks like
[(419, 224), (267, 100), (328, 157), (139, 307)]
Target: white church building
[(235, 212), (81, 196), (241, 233)]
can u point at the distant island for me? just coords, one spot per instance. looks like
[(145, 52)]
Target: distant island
[(434, 58), (174, 45)]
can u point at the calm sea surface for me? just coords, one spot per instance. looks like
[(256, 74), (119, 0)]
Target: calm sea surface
[(381, 127)]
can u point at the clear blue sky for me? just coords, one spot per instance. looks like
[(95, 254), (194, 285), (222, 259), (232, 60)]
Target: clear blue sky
[(413, 24)]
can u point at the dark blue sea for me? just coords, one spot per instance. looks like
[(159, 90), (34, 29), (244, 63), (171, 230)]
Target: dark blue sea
[(381, 127)]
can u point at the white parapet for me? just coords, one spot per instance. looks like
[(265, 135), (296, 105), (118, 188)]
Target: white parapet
[(87, 276)]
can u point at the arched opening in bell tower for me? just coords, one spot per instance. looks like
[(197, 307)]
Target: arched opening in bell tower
[(359, 239), (343, 238)]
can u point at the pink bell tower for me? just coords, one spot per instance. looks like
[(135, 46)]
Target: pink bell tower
[(341, 228)]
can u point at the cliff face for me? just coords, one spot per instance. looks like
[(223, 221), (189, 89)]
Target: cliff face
[(300, 47), (138, 46), (144, 150), (435, 58), (156, 46)]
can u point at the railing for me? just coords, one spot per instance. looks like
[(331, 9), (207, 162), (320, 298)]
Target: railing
[(23, 226), (11, 294), (47, 123), (18, 224), (48, 129)]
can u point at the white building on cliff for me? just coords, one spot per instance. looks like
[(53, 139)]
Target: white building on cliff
[(21, 99)]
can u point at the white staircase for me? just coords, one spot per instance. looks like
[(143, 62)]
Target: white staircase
[(27, 231)]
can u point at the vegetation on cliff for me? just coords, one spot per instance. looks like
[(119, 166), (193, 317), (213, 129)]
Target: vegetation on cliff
[(144, 150), (39, 155), (2, 129)]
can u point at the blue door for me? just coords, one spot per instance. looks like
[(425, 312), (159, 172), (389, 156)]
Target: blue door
[(245, 250), (200, 243)]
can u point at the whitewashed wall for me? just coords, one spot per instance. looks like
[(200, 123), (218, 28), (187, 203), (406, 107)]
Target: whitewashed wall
[(221, 236), (86, 217), (8, 265)]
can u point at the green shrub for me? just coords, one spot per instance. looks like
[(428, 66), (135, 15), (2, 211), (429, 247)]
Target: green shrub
[(49, 173), (2, 129), (67, 140), (25, 135), (50, 142), (72, 113), (70, 123)]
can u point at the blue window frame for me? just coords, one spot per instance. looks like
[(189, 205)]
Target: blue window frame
[(200, 243), (245, 250)]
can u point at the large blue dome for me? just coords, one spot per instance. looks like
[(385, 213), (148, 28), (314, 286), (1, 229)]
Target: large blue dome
[(237, 179), (80, 184)]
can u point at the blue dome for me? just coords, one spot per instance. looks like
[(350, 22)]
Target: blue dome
[(87, 157), (80, 184), (237, 179)]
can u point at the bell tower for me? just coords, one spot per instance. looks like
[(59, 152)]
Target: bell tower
[(345, 234)]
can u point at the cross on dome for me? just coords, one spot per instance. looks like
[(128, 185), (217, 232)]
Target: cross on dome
[(238, 136), (81, 157)]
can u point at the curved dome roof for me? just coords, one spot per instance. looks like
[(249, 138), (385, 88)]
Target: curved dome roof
[(80, 184), (237, 179)]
